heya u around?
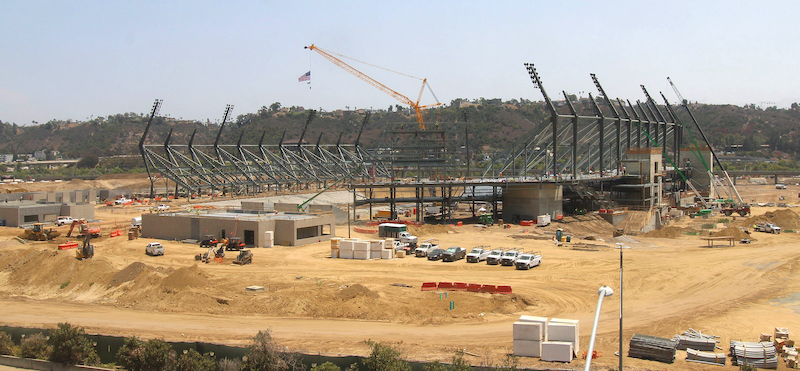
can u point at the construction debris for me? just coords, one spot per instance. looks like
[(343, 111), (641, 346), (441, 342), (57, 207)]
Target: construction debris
[(759, 355), (653, 348)]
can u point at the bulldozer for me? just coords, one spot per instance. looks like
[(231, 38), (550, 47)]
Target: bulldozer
[(87, 250), (38, 233), (245, 257)]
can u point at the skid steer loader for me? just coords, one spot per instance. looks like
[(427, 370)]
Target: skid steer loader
[(245, 257)]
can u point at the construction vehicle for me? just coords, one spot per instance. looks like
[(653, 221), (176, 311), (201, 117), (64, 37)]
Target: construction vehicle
[(245, 257), (83, 229), (234, 244), (767, 228), (38, 233), (402, 98), (86, 251), (210, 254), (209, 240), (741, 209), (486, 219)]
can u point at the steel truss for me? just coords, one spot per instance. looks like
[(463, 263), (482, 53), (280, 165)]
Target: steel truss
[(253, 168), (572, 142)]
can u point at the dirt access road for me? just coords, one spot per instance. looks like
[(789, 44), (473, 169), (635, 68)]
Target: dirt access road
[(317, 304)]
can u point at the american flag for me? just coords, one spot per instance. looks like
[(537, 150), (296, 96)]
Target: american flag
[(305, 77)]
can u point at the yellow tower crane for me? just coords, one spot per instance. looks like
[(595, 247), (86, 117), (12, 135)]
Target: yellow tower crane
[(402, 98)]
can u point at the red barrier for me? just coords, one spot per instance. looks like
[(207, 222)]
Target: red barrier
[(68, 245), (460, 224), (503, 289), (460, 286), (489, 288), (526, 223), (363, 230), (445, 285), (428, 286), (474, 287)]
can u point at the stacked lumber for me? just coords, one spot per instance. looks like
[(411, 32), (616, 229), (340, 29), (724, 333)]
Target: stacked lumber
[(692, 339), (652, 348), (759, 355), (705, 357)]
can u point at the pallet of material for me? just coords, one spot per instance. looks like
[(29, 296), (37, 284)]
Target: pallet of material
[(696, 340), (652, 348), (759, 355), (693, 355)]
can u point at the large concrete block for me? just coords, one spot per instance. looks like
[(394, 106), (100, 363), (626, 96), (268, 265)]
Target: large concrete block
[(576, 338), (335, 253), (386, 254), (361, 255), (346, 245), (374, 254), (527, 348), (361, 246), (533, 319), (345, 254), (376, 245), (529, 331), (557, 351), (561, 332)]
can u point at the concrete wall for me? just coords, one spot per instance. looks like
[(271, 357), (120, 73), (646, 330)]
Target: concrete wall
[(525, 202), (78, 210), (286, 231)]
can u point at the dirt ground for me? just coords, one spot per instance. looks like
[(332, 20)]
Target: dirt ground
[(320, 305)]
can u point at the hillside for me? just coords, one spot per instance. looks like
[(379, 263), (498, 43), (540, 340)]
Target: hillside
[(492, 125)]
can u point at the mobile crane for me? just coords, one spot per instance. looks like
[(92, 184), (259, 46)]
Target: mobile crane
[(402, 98)]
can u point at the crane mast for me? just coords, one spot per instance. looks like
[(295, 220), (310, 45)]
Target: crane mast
[(377, 84)]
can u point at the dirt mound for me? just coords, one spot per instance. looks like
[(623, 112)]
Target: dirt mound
[(429, 229), (666, 232), (129, 273), (184, 278), (731, 231), (356, 291), (784, 218)]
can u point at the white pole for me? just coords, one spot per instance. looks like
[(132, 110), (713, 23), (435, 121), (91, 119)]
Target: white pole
[(602, 293)]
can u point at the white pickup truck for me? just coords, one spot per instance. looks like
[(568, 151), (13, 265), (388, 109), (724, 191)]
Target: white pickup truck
[(426, 246), (528, 261), (510, 257), (478, 254), (494, 257), (768, 228), (408, 238)]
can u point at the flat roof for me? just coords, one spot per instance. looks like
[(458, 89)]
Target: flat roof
[(242, 216)]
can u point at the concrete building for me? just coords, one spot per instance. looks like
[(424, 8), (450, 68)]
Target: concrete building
[(286, 229), (16, 213), (527, 201)]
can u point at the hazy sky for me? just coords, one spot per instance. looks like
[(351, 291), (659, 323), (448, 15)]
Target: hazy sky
[(76, 59)]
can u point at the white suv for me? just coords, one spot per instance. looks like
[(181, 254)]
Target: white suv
[(154, 249), (62, 220), (162, 207)]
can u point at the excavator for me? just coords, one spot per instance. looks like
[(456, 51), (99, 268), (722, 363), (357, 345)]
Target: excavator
[(83, 229), (87, 250), (210, 254), (38, 233)]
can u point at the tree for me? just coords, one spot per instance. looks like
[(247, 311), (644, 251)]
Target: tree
[(274, 107), (328, 366), (88, 161), (266, 355), (191, 360), (227, 364), (70, 346), (6, 344), (34, 346), (153, 355), (384, 358)]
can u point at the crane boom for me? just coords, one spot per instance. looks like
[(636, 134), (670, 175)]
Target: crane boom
[(400, 97)]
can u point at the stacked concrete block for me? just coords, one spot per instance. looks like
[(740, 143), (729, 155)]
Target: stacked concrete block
[(346, 249), (375, 247), (361, 250), (529, 332), (567, 330), (557, 351), (335, 247)]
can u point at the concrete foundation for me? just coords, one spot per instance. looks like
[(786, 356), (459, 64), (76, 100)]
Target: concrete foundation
[(527, 201)]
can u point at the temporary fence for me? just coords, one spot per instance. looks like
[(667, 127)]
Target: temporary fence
[(470, 287)]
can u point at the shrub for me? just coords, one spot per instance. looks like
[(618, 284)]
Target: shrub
[(384, 358), (34, 346), (227, 364), (327, 366), (70, 346), (191, 360), (6, 344), (266, 355), (153, 355)]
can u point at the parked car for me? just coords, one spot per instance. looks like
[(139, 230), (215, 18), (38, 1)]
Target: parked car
[(510, 257), (425, 247), (162, 207), (63, 220), (478, 254), (122, 201), (435, 254), (454, 253), (528, 261), (154, 249), (494, 257)]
